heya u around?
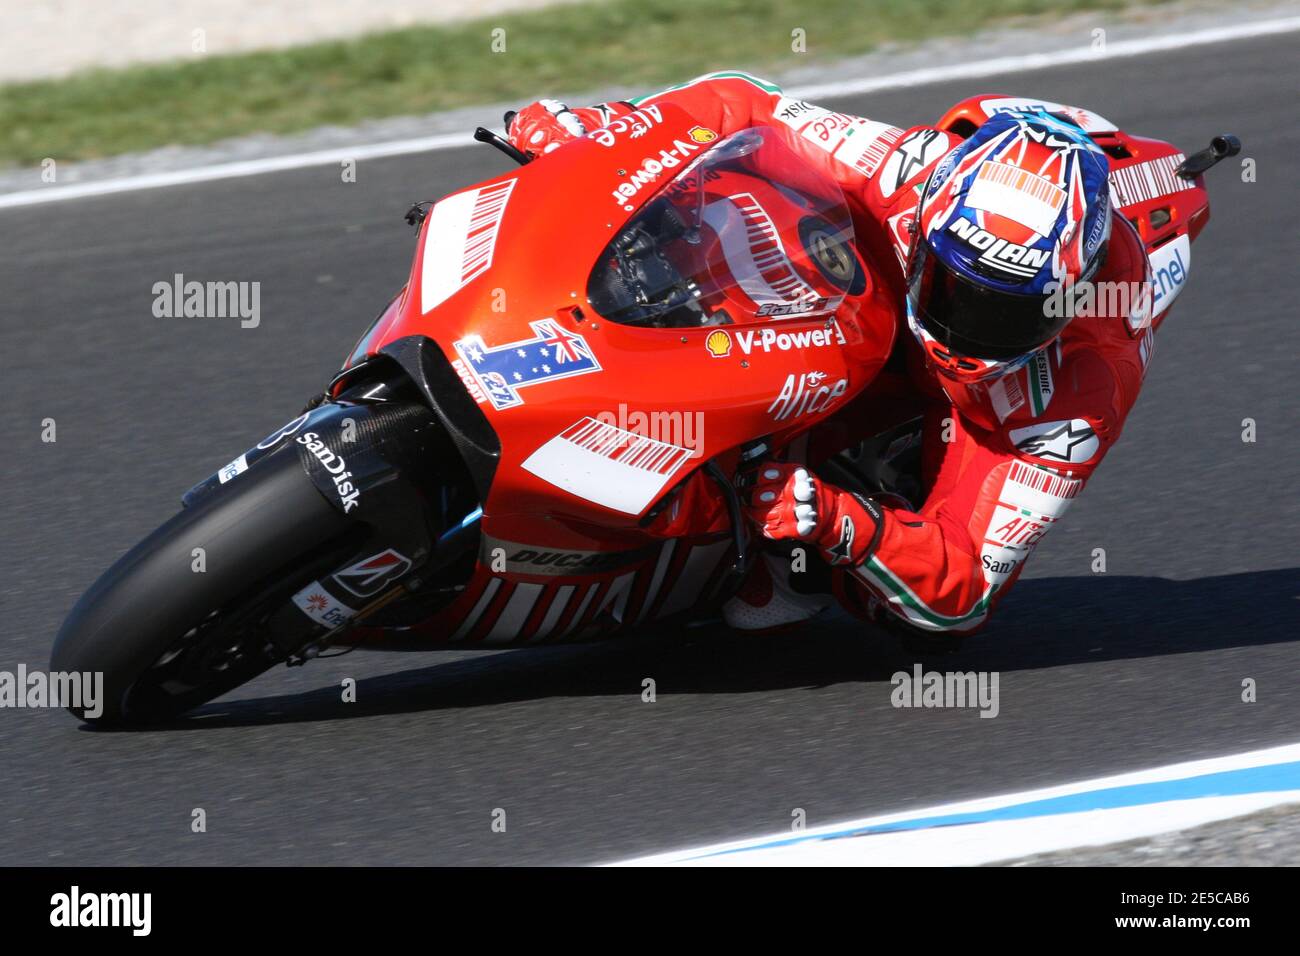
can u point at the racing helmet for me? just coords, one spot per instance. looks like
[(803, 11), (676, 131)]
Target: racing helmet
[(1016, 212)]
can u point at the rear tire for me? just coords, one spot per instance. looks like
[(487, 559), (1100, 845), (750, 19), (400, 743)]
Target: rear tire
[(167, 637)]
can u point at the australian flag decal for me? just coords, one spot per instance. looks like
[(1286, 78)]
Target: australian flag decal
[(553, 353)]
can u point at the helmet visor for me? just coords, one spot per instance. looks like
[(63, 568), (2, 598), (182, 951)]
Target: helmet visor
[(974, 320)]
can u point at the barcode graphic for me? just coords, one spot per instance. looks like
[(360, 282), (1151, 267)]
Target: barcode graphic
[(876, 151), (1015, 397), (484, 222), (1149, 180), (625, 447), (769, 255), (1013, 177), (1039, 480)]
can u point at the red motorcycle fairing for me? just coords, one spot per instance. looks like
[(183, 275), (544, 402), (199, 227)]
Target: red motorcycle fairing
[(599, 512), (561, 596)]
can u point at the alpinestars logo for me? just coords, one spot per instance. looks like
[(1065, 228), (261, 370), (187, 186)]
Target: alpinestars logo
[(910, 157), (371, 575), (842, 551), (1072, 441)]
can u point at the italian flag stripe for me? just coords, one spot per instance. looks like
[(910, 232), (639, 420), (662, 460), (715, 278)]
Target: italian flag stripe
[(763, 85), (1035, 392), (916, 609)]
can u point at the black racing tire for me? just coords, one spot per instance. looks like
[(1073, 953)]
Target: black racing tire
[(265, 534)]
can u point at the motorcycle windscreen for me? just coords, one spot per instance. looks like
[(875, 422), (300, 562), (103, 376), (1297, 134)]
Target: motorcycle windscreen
[(746, 233)]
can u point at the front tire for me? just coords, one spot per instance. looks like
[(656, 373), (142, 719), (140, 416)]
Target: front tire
[(167, 636)]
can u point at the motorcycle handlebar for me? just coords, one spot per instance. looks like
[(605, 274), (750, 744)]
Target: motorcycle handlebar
[(1221, 147), (484, 135)]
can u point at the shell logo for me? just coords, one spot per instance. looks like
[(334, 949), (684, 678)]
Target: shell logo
[(701, 135), (718, 343)]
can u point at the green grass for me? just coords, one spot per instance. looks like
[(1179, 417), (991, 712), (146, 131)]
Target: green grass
[(640, 43)]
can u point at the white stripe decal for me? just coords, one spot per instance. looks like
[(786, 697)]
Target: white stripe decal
[(1150, 180), (665, 556), (608, 465), (553, 612), (459, 240), (515, 614), (695, 574), (1031, 200), (480, 606), (582, 609), (616, 598)]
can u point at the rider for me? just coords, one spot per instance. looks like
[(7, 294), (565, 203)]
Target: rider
[(1016, 403)]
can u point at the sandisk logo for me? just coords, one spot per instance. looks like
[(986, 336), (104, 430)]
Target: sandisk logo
[(349, 494)]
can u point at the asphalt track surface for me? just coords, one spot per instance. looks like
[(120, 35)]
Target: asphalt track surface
[(1100, 673)]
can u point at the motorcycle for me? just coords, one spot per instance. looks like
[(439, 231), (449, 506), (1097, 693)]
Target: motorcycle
[(544, 435)]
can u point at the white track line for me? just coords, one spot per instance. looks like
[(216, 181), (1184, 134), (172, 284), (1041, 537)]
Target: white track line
[(249, 167), (999, 840), (977, 844), (1039, 61), (981, 68)]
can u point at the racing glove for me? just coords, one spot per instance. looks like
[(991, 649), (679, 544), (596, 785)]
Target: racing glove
[(548, 124), (790, 502)]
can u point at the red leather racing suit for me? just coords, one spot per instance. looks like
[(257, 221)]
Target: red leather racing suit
[(1001, 461)]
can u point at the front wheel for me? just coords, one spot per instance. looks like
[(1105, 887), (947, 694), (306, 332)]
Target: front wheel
[(183, 617)]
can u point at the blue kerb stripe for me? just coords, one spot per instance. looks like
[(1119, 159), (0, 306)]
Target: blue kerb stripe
[(1274, 777)]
